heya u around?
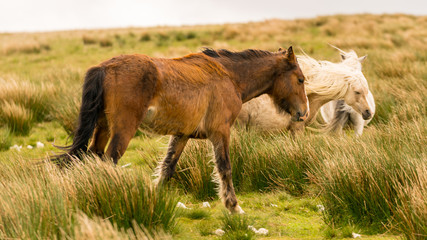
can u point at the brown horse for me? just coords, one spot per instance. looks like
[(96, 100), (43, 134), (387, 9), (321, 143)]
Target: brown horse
[(196, 96)]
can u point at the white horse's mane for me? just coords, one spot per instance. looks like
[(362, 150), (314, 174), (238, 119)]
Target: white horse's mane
[(332, 79)]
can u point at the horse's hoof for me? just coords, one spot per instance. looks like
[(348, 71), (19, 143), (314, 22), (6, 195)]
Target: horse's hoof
[(157, 183), (237, 210)]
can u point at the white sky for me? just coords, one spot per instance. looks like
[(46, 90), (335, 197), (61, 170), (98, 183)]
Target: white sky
[(47, 15)]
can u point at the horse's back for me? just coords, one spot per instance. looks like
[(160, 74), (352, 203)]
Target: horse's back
[(193, 69), (129, 71)]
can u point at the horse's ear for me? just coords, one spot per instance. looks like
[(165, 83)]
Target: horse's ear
[(290, 55), (361, 59), (342, 57), (280, 49)]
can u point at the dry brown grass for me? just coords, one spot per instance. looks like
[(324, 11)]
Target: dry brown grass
[(16, 117)]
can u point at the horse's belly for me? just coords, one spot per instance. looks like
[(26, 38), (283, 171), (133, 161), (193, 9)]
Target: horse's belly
[(176, 122)]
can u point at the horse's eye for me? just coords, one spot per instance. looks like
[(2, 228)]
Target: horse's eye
[(357, 92), (301, 80)]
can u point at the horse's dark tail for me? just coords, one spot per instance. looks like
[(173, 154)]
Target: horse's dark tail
[(92, 105)]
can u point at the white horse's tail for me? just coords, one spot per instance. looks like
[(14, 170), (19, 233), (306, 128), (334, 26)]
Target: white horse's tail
[(340, 116)]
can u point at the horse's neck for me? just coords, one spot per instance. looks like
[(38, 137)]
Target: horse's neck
[(253, 77)]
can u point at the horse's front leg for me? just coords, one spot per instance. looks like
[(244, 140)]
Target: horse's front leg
[(166, 168), (358, 123), (220, 142), (296, 128)]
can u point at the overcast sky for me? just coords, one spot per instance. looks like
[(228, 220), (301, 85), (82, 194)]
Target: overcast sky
[(47, 15)]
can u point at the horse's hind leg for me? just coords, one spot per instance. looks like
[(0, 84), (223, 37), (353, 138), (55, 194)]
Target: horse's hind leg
[(123, 128), (100, 138), (123, 123), (166, 168), (220, 141)]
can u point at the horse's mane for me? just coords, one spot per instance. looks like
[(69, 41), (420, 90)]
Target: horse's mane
[(236, 56), (328, 78)]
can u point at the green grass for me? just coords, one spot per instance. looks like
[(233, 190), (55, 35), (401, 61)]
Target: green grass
[(373, 185), (294, 217), (197, 214), (45, 202), (5, 139), (236, 227)]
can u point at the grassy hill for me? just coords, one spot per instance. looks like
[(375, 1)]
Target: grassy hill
[(375, 185)]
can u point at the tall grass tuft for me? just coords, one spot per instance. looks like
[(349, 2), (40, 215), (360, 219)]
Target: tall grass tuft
[(46, 203), (87, 40), (27, 46), (371, 186), (18, 118), (100, 229), (194, 170), (5, 139), (266, 163), (123, 196), (411, 214), (38, 99), (34, 202), (236, 226), (66, 113)]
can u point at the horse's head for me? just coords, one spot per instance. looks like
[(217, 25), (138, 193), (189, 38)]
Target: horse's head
[(357, 98), (357, 93), (288, 88)]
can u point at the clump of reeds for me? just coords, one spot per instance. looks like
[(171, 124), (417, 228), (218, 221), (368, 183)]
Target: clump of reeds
[(18, 118), (43, 202), (410, 214), (236, 227), (38, 99), (5, 138), (370, 181), (194, 170), (257, 164), (66, 112), (26, 47)]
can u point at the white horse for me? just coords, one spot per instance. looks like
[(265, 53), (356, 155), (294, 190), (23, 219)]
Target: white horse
[(337, 114), (325, 81)]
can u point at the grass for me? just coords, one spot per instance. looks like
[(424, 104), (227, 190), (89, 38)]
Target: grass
[(258, 164), (123, 197), (36, 98), (373, 185), (5, 139), (197, 214), (97, 228), (236, 227), (51, 201), (362, 183), (18, 118)]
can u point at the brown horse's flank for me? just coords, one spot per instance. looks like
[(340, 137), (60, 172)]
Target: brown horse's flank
[(196, 96)]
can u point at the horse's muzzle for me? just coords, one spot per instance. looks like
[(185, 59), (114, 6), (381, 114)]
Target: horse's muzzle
[(300, 117), (366, 115)]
